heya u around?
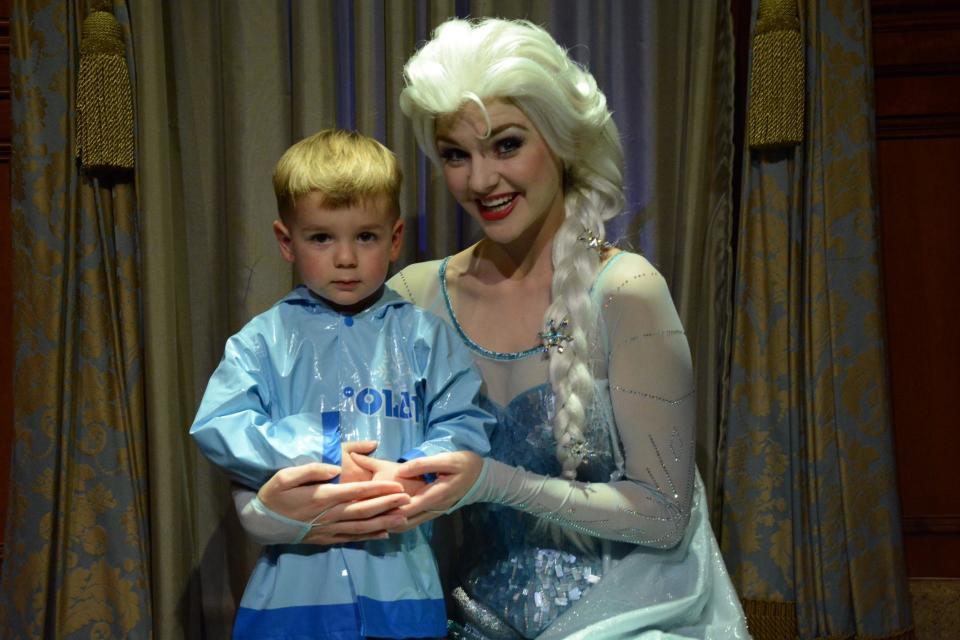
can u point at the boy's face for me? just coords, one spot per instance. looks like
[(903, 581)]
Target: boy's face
[(342, 254)]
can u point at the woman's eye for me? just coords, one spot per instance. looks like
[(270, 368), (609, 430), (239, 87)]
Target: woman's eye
[(452, 155), (508, 145), (367, 236)]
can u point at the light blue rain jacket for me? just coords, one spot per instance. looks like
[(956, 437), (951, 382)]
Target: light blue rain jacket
[(293, 384)]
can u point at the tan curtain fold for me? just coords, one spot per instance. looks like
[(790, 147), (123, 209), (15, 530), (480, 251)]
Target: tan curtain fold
[(168, 369), (689, 215), (313, 46), (213, 117)]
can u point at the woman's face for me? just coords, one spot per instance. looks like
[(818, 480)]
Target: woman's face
[(510, 182)]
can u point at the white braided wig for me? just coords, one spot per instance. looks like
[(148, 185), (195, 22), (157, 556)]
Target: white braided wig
[(517, 61)]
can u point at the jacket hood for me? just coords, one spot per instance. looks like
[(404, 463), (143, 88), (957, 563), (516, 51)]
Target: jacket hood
[(301, 295)]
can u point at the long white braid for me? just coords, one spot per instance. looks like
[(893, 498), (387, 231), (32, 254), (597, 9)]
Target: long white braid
[(516, 60), (589, 201)]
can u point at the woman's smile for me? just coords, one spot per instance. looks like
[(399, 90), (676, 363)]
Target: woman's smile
[(497, 207)]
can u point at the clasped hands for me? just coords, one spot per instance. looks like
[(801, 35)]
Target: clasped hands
[(374, 497)]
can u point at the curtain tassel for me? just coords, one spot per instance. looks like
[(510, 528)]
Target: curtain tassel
[(104, 98), (777, 77)]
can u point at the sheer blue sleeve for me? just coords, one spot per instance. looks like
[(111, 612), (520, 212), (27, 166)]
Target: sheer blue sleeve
[(652, 396)]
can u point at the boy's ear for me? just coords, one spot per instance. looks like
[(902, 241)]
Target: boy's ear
[(283, 239), (396, 240)]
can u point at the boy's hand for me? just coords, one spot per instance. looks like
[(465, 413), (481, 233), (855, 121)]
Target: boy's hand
[(386, 470), (350, 471)]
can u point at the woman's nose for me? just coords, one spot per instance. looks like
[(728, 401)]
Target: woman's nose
[(483, 175)]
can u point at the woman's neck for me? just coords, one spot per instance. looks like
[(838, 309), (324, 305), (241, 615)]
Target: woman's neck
[(499, 296), (492, 261), (528, 256)]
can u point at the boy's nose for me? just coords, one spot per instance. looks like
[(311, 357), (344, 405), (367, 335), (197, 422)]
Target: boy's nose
[(346, 255)]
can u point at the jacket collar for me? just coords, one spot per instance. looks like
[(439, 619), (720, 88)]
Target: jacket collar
[(302, 296)]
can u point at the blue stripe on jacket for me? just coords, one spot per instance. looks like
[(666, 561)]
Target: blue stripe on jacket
[(425, 618)]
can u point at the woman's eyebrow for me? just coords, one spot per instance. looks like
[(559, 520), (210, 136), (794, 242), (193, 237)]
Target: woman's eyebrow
[(507, 125), (443, 138), (493, 132)]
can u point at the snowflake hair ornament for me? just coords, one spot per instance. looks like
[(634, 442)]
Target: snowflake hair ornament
[(555, 336)]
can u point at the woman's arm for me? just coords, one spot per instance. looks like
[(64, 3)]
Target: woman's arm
[(651, 387), (298, 505)]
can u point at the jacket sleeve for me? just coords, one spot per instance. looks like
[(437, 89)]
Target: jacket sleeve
[(454, 420), (652, 393), (237, 427)]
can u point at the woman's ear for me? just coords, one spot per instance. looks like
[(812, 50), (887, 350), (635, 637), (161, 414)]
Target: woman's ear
[(283, 239)]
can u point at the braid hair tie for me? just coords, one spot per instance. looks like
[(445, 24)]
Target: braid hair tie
[(595, 242)]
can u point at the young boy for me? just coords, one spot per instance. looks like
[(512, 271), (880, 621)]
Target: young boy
[(341, 358)]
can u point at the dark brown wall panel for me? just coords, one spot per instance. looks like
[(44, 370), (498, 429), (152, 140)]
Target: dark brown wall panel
[(913, 35), (6, 280), (932, 555), (918, 95), (6, 344), (917, 72), (919, 197)]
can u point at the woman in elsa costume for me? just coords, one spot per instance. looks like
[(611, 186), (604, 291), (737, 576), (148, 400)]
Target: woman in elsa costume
[(589, 519)]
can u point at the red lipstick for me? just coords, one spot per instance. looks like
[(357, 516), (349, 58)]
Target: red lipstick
[(493, 214)]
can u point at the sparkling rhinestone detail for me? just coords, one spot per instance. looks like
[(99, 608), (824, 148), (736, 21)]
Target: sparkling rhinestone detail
[(637, 276), (650, 396), (406, 286), (653, 334)]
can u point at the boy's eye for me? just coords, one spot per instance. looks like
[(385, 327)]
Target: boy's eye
[(319, 237), (367, 236), (506, 146), (452, 155)]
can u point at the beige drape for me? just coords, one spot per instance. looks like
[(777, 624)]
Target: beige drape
[(691, 206), (222, 92)]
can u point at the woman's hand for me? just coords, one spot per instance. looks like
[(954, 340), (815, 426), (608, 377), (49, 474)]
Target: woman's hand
[(387, 470), (456, 472), (349, 470), (340, 512)]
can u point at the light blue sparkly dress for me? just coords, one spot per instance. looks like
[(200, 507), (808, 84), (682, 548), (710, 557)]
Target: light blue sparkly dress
[(626, 550)]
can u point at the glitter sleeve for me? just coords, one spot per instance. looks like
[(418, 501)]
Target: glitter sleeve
[(652, 395)]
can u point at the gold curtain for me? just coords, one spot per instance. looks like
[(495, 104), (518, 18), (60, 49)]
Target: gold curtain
[(78, 561), (810, 526), (224, 89)]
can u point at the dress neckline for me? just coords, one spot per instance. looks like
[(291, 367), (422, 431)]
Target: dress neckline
[(489, 353)]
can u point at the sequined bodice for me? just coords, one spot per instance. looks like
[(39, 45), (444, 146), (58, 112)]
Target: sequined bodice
[(526, 571)]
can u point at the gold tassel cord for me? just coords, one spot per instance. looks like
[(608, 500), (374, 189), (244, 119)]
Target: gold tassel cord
[(770, 620), (777, 77), (104, 97)]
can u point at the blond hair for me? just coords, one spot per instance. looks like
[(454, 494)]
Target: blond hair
[(477, 61), (343, 166)]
